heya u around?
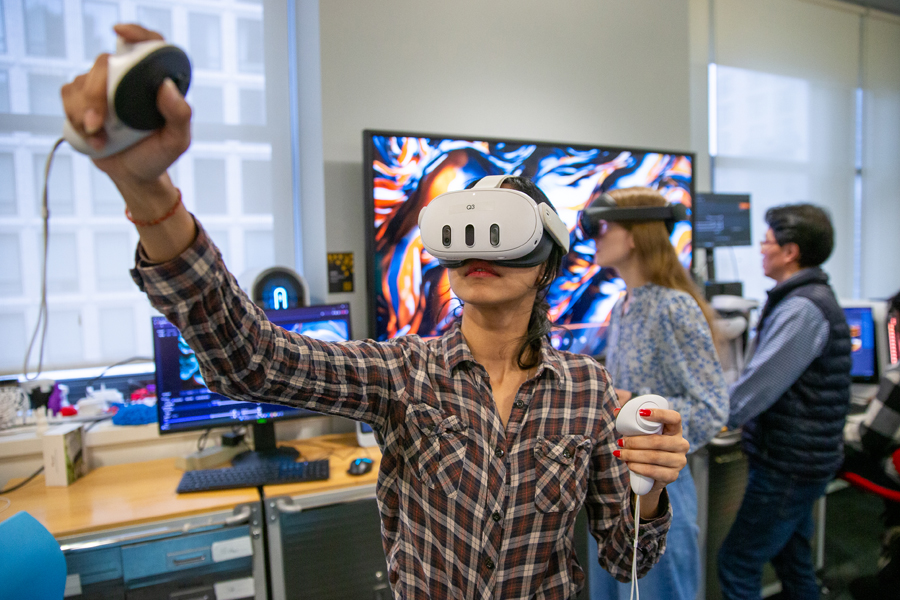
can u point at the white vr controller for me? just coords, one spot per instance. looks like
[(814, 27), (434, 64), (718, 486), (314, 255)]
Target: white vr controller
[(134, 77), (630, 423)]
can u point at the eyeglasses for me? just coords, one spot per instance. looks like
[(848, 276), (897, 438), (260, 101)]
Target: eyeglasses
[(765, 242)]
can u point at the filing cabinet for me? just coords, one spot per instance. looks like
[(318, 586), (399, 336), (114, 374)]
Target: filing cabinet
[(217, 556)]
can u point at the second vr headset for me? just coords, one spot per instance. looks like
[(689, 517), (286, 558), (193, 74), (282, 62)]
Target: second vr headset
[(488, 222), (605, 208)]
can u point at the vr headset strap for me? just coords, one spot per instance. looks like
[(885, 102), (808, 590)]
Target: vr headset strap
[(638, 213), (490, 182)]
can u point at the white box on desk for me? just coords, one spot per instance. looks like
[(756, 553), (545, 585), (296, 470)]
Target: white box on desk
[(64, 457)]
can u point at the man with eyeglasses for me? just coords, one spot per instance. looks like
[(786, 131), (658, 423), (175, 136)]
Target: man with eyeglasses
[(791, 401)]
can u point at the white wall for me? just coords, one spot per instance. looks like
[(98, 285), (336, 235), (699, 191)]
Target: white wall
[(788, 77), (880, 275), (594, 72)]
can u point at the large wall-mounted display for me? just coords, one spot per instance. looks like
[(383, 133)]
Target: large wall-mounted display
[(403, 172)]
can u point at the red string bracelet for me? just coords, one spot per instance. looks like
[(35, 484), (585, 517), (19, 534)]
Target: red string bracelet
[(154, 221)]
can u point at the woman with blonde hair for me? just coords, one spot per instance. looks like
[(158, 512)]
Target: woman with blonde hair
[(661, 341)]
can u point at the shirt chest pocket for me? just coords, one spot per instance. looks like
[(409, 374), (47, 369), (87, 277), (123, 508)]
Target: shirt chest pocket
[(561, 466), (438, 448)]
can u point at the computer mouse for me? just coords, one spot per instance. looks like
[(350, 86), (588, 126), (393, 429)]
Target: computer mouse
[(360, 466)]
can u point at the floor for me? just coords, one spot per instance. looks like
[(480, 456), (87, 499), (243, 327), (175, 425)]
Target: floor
[(852, 532)]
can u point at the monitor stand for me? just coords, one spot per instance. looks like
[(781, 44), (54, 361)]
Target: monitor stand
[(265, 448), (714, 287)]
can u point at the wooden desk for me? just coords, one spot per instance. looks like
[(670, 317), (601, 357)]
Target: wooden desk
[(117, 496), (340, 449), (139, 493)]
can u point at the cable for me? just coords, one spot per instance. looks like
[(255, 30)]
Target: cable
[(634, 585), (94, 422), (39, 471), (121, 362), (18, 485), (201, 441), (41, 324)]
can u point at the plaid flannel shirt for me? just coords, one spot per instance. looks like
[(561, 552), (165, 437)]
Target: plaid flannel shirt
[(877, 434), (469, 508)]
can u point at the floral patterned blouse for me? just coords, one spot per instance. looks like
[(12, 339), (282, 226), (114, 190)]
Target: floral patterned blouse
[(663, 346)]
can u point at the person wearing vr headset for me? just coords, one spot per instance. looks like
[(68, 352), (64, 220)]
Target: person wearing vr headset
[(491, 439), (660, 340)]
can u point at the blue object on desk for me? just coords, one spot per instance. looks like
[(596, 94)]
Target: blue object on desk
[(135, 414), (31, 562)]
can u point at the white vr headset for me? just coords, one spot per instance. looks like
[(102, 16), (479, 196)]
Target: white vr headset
[(488, 222)]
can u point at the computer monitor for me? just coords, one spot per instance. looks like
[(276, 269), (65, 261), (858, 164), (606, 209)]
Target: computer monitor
[(721, 220), (404, 171), (184, 403), (861, 321), (879, 313)]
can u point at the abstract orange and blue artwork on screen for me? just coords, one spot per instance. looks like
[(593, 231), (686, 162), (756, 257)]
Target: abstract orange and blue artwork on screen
[(404, 172)]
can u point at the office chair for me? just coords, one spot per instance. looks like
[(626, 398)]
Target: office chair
[(31, 562)]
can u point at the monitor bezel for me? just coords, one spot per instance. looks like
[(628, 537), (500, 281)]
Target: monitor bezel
[(294, 414), (368, 188)]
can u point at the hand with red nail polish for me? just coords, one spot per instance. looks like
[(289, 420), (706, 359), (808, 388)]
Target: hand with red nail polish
[(655, 450)]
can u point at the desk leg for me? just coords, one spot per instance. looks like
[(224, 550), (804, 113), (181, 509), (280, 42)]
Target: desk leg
[(698, 462), (819, 535)]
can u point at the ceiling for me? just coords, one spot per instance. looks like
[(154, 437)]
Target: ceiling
[(891, 6)]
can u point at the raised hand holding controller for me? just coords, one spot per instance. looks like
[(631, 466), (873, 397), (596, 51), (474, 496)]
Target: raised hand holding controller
[(135, 74), (629, 423)]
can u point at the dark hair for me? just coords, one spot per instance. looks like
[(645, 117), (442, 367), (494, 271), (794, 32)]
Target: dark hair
[(806, 225), (539, 324)]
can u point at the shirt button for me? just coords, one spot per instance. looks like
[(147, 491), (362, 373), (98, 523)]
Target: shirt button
[(488, 563), (497, 516), (499, 452), (567, 454), (518, 404)]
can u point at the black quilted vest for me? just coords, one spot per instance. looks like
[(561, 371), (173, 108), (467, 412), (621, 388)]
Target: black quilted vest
[(801, 434)]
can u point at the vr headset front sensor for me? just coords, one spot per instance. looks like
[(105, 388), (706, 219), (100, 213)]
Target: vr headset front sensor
[(491, 223)]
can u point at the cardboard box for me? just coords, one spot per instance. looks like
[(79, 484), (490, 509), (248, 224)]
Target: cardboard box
[(64, 457)]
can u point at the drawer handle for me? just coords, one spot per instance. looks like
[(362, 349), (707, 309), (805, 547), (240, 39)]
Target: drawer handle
[(241, 517), (286, 505), (180, 562)]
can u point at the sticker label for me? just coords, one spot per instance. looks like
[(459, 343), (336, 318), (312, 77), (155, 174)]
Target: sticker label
[(340, 272), (73, 585), (234, 589), (231, 549)]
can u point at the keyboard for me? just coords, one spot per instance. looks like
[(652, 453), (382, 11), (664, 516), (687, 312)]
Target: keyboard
[(271, 473)]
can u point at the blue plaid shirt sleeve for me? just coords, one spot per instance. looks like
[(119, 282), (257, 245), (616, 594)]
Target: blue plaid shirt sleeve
[(791, 338)]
